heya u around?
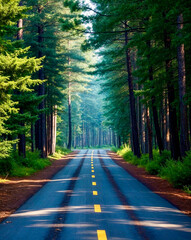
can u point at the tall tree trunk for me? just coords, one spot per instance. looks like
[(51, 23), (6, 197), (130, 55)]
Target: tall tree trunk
[(87, 136), (49, 135), (113, 138), (40, 126), (100, 137), (69, 118), (150, 134), (118, 141), (184, 139), (140, 123), (154, 109), (21, 137), (32, 137), (54, 128), (135, 136), (143, 135), (174, 138), (190, 119)]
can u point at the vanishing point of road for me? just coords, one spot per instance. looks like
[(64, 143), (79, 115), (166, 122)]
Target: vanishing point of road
[(92, 198)]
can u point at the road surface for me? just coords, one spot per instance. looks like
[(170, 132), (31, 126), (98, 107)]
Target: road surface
[(93, 198)]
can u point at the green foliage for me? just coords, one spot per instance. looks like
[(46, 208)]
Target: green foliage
[(126, 152), (178, 173), (153, 167), (60, 152), (114, 149), (16, 165)]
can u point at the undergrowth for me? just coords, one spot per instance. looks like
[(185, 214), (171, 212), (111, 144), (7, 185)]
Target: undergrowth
[(178, 173), (60, 152), (18, 166)]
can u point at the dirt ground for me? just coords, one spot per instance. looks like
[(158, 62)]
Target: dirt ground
[(15, 191), (177, 197)]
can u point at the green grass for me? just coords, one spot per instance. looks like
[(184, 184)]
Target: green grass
[(18, 166), (60, 152), (178, 173)]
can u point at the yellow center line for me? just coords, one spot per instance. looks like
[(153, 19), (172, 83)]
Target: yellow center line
[(101, 235), (95, 193), (92, 155), (92, 167), (97, 208), (92, 170), (94, 183), (93, 176)]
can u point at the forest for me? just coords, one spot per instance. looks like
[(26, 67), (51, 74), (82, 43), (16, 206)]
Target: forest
[(87, 74)]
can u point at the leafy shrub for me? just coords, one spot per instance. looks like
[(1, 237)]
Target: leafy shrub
[(60, 151), (164, 157), (16, 165), (126, 152), (144, 160), (114, 149), (21, 171), (153, 167), (5, 166), (177, 173)]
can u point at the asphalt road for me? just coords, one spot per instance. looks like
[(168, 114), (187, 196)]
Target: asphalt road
[(93, 198)]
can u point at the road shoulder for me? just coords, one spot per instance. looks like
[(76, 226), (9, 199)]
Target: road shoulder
[(16, 191), (177, 197)]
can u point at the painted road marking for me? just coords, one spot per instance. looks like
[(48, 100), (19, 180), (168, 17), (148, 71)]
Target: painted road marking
[(101, 235), (93, 176), (95, 193), (92, 170), (94, 183), (92, 165), (97, 208)]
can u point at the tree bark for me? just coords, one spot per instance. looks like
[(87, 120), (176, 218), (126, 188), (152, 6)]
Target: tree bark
[(184, 139), (174, 138), (113, 138), (118, 141), (150, 134), (21, 137), (40, 126), (54, 128), (32, 137), (154, 109), (100, 137), (135, 136), (69, 118)]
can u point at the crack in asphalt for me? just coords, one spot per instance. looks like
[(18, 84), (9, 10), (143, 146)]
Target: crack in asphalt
[(55, 231)]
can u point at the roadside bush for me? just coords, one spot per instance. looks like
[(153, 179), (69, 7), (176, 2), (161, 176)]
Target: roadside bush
[(5, 166), (18, 166), (126, 152), (60, 152), (153, 167), (178, 173), (114, 149), (144, 160), (164, 157)]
